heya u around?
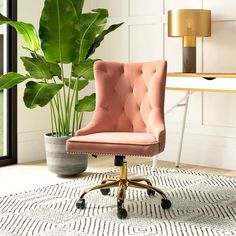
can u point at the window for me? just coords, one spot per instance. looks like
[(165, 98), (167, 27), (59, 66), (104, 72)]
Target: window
[(8, 59)]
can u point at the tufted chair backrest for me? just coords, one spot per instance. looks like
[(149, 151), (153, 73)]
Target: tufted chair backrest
[(129, 96)]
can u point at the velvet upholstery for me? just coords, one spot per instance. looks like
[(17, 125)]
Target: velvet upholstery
[(129, 114)]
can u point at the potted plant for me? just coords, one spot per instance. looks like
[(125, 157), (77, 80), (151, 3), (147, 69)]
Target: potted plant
[(67, 38)]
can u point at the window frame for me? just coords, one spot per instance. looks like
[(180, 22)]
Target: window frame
[(11, 157)]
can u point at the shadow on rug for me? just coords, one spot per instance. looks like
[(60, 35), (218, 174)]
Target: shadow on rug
[(201, 205)]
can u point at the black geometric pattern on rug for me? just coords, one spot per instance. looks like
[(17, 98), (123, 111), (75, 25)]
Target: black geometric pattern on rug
[(202, 204)]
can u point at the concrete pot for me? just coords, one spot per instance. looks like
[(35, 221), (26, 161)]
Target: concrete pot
[(60, 162)]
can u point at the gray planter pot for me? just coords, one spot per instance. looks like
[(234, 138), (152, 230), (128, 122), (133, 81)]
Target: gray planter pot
[(60, 162)]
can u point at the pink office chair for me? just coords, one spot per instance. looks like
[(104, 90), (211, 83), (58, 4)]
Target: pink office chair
[(128, 120)]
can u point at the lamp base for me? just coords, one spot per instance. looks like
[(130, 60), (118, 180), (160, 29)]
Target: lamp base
[(189, 59)]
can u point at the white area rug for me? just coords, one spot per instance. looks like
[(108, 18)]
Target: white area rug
[(201, 205)]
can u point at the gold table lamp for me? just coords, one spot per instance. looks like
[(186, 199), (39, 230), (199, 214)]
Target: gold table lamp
[(189, 24)]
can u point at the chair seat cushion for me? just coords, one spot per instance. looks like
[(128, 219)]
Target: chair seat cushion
[(123, 143)]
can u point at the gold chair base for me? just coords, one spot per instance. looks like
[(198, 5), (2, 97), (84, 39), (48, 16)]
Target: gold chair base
[(123, 183)]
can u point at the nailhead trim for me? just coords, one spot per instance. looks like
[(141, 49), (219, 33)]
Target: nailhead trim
[(119, 154)]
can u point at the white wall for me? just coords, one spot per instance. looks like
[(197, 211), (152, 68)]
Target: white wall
[(211, 127)]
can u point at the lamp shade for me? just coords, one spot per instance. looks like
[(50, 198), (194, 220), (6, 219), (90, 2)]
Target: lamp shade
[(189, 22)]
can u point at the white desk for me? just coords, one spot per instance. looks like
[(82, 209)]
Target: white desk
[(201, 82), (215, 82)]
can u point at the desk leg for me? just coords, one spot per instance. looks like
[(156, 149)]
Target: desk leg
[(188, 93), (154, 162)]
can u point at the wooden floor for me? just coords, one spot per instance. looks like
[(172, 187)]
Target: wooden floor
[(23, 177)]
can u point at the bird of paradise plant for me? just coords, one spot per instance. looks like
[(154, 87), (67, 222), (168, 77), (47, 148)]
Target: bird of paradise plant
[(66, 36)]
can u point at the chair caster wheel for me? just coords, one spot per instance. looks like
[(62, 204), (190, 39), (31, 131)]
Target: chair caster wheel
[(105, 191), (150, 192), (121, 213), (80, 204), (165, 203)]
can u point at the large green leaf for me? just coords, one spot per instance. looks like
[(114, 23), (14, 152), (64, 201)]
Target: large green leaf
[(82, 83), (11, 79), (26, 30), (100, 38), (58, 31), (86, 104), (84, 69), (37, 68), (54, 68), (91, 25), (39, 94), (78, 4)]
